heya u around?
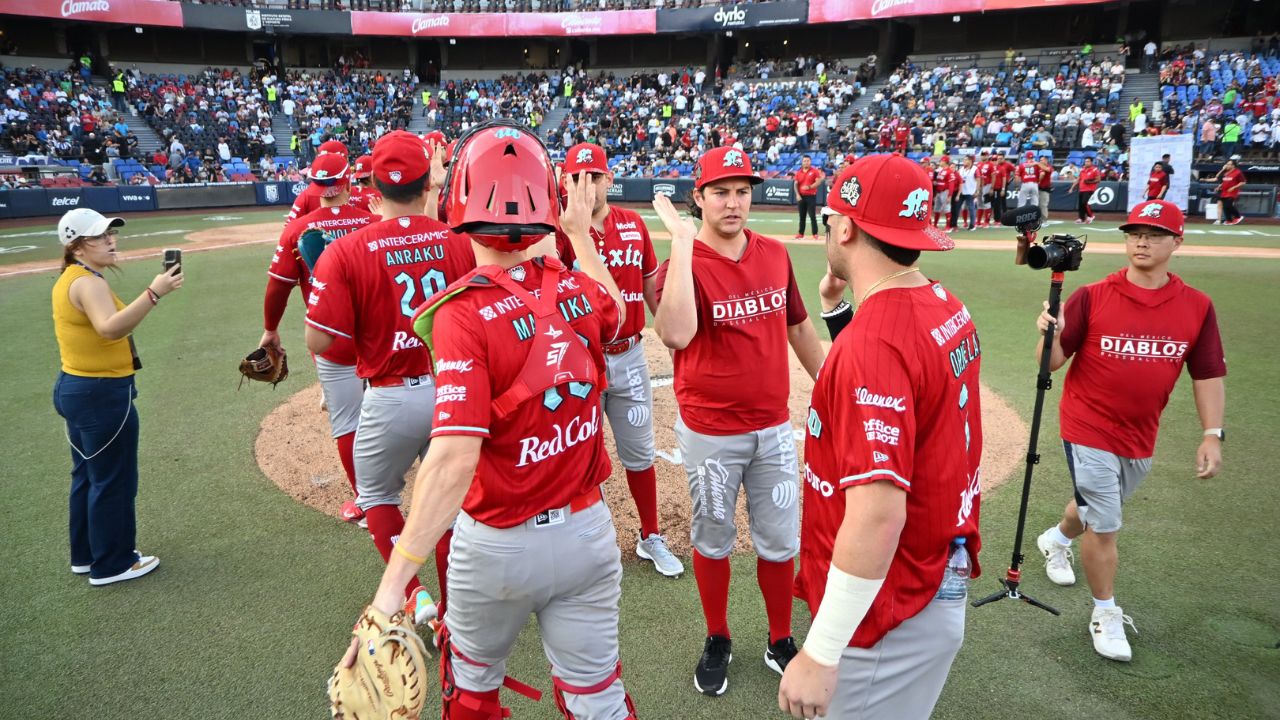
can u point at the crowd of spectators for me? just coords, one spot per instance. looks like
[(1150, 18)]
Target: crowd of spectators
[(460, 104), (656, 124), (354, 106), (1227, 100)]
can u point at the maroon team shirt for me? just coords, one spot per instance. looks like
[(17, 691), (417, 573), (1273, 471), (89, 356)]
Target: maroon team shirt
[(547, 451), (287, 266), (744, 309), (897, 401), (1129, 345), (626, 250), (368, 283)]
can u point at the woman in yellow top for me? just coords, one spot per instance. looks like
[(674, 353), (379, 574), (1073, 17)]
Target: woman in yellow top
[(94, 393)]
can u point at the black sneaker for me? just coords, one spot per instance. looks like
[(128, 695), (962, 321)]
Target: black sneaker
[(778, 654), (711, 677)]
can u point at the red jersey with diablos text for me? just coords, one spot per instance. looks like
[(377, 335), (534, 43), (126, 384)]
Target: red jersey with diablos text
[(1090, 176), (550, 449), (1128, 345), (804, 178), (734, 376), (1157, 184), (897, 401), (626, 250), (368, 284), (287, 265)]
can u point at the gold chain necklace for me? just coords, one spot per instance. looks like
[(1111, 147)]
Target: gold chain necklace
[(884, 280)]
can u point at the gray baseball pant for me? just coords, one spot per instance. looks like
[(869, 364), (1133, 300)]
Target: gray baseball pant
[(343, 392), (395, 429), (628, 403)]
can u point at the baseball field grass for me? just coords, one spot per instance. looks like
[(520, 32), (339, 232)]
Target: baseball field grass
[(250, 607)]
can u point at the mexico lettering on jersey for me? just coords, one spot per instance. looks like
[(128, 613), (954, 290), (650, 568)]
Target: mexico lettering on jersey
[(897, 401), (548, 450), (1128, 346), (744, 309), (368, 284), (626, 250), (287, 266)]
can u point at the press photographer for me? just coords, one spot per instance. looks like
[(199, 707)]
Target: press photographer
[(1130, 335)]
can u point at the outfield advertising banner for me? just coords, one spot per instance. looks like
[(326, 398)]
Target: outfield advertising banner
[(733, 17), (131, 12), (312, 22)]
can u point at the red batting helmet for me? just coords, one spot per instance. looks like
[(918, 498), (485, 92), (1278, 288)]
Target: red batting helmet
[(501, 188)]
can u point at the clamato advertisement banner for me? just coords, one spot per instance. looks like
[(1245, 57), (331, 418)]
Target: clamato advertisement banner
[(364, 22), (132, 12), (822, 11), (618, 22)]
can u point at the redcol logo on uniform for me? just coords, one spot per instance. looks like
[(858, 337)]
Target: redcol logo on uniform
[(575, 432)]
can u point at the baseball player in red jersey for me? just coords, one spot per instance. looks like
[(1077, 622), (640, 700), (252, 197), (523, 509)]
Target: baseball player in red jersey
[(517, 454), (362, 190), (621, 239), (901, 137), (341, 387), (894, 441), (986, 175), (309, 199), (1129, 336), (728, 306), (1028, 174), (366, 288), (1044, 184), (886, 136), (1001, 176), (1090, 178), (942, 182)]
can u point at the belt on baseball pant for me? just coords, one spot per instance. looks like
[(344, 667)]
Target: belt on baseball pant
[(399, 380), (617, 348), (557, 516)]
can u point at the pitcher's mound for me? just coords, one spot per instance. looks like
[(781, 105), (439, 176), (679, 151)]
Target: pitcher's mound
[(294, 449)]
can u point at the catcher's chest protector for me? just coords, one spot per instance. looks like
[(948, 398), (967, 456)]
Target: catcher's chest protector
[(557, 354)]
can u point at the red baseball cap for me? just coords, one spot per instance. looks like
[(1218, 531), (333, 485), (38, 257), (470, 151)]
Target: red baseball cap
[(332, 146), (1160, 214), (435, 137), (723, 163), (363, 167), (585, 157), (850, 159), (889, 197), (946, 159), (1030, 154), (328, 174), (400, 158)]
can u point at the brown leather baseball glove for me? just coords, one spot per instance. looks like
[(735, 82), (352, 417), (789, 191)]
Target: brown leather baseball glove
[(265, 365), (389, 676)]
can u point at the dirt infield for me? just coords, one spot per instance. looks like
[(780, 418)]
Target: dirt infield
[(295, 451)]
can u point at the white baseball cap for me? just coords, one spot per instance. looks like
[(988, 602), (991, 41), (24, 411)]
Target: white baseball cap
[(83, 222)]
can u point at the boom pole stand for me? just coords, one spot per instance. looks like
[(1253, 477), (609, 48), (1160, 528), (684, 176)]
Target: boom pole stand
[(1044, 381)]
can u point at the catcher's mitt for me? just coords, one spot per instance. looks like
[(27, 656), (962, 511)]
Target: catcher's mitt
[(311, 244), (265, 365), (389, 676)]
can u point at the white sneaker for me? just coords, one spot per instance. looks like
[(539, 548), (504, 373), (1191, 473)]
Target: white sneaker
[(654, 549), (1107, 629), (81, 569), (1057, 559), (144, 565)]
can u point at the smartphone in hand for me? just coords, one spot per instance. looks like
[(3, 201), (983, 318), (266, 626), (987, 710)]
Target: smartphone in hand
[(172, 256)]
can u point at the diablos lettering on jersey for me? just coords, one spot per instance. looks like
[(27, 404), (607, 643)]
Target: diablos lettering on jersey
[(1143, 348), (748, 308)]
